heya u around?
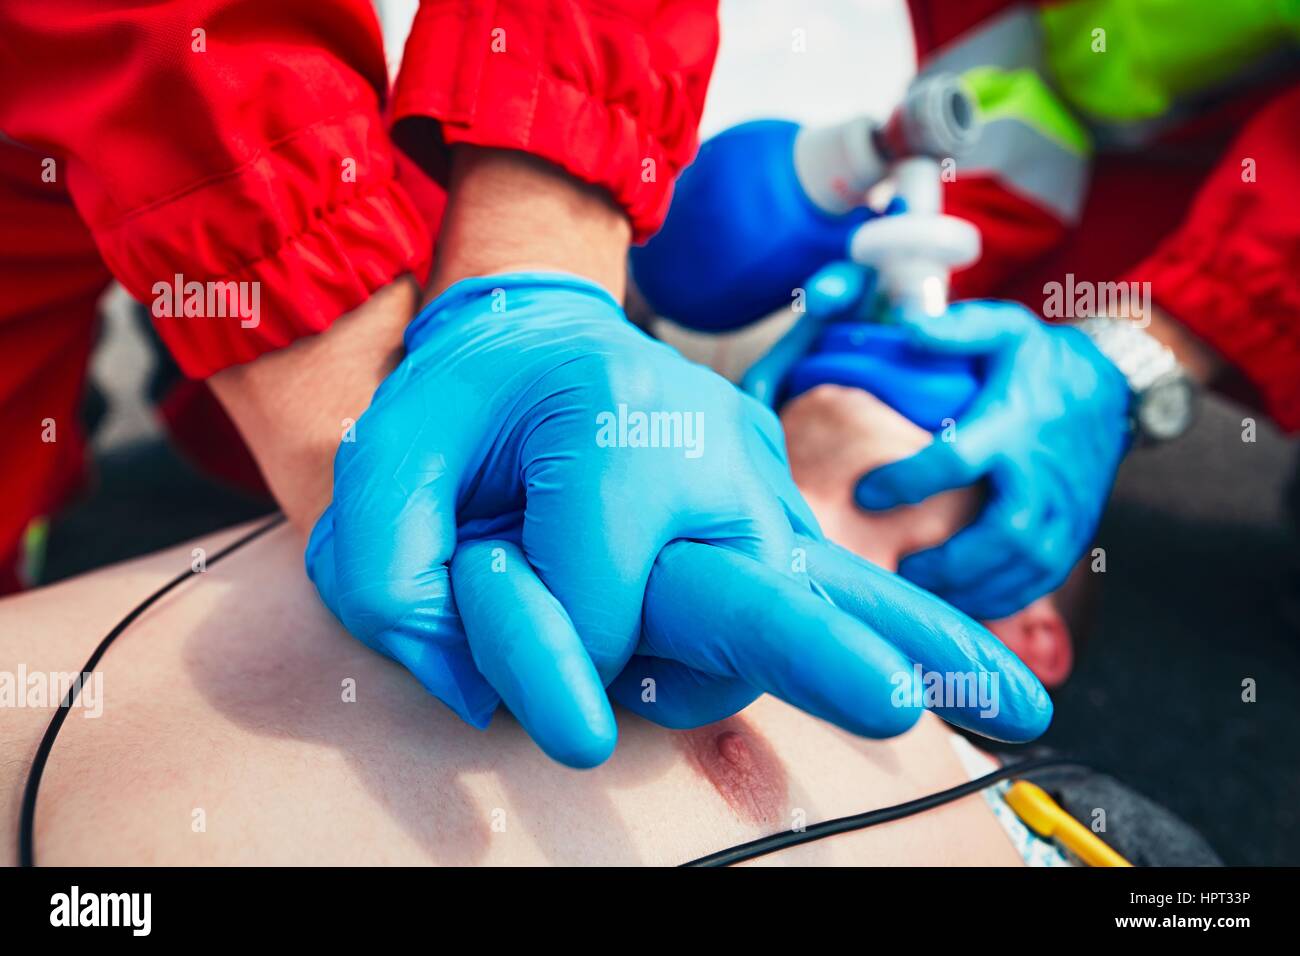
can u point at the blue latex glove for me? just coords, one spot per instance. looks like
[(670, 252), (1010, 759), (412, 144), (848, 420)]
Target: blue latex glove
[(719, 629), (835, 291), (494, 530), (1047, 431), (834, 343)]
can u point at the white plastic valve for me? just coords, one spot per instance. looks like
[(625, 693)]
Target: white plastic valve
[(917, 181), (913, 253), (836, 165)]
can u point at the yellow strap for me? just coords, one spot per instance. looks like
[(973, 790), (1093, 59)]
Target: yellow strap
[(1045, 817)]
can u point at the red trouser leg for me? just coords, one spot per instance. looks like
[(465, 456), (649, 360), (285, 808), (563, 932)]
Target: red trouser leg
[(51, 277)]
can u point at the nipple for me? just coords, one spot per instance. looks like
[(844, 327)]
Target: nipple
[(741, 766)]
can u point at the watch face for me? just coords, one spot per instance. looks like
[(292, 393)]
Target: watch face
[(1165, 411)]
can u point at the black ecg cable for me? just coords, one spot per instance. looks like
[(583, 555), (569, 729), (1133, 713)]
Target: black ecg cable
[(27, 819), (735, 854), (860, 821)]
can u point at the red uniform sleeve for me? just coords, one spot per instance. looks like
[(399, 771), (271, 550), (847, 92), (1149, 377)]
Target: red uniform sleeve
[(1231, 271), (225, 141), (1014, 232), (610, 90)]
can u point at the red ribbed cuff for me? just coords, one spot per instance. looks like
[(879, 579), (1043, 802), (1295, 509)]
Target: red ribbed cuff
[(584, 86), (1241, 296), (303, 239)]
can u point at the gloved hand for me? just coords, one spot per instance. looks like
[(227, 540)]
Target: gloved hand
[(836, 343), (515, 427), (838, 291), (1047, 430)]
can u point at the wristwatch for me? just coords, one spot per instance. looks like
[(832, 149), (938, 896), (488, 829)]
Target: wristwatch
[(1164, 395)]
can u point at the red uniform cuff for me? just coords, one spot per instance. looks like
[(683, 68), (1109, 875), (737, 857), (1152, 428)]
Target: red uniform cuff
[(1240, 296), (611, 92), (302, 239), (1231, 273)]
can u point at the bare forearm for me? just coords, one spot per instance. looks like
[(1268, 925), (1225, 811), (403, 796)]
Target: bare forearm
[(292, 405), (506, 212), (1201, 362), (510, 212)]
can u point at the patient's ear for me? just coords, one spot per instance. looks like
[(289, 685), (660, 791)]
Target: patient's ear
[(1039, 636)]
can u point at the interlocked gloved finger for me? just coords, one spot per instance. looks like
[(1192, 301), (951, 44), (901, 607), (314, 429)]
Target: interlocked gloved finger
[(798, 515), (670, 694), (592, 552), (526, 647), (722, 613), (597, 515), (762, 533), (772, 466), (686, 696), (427, 640), (938, 640)]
